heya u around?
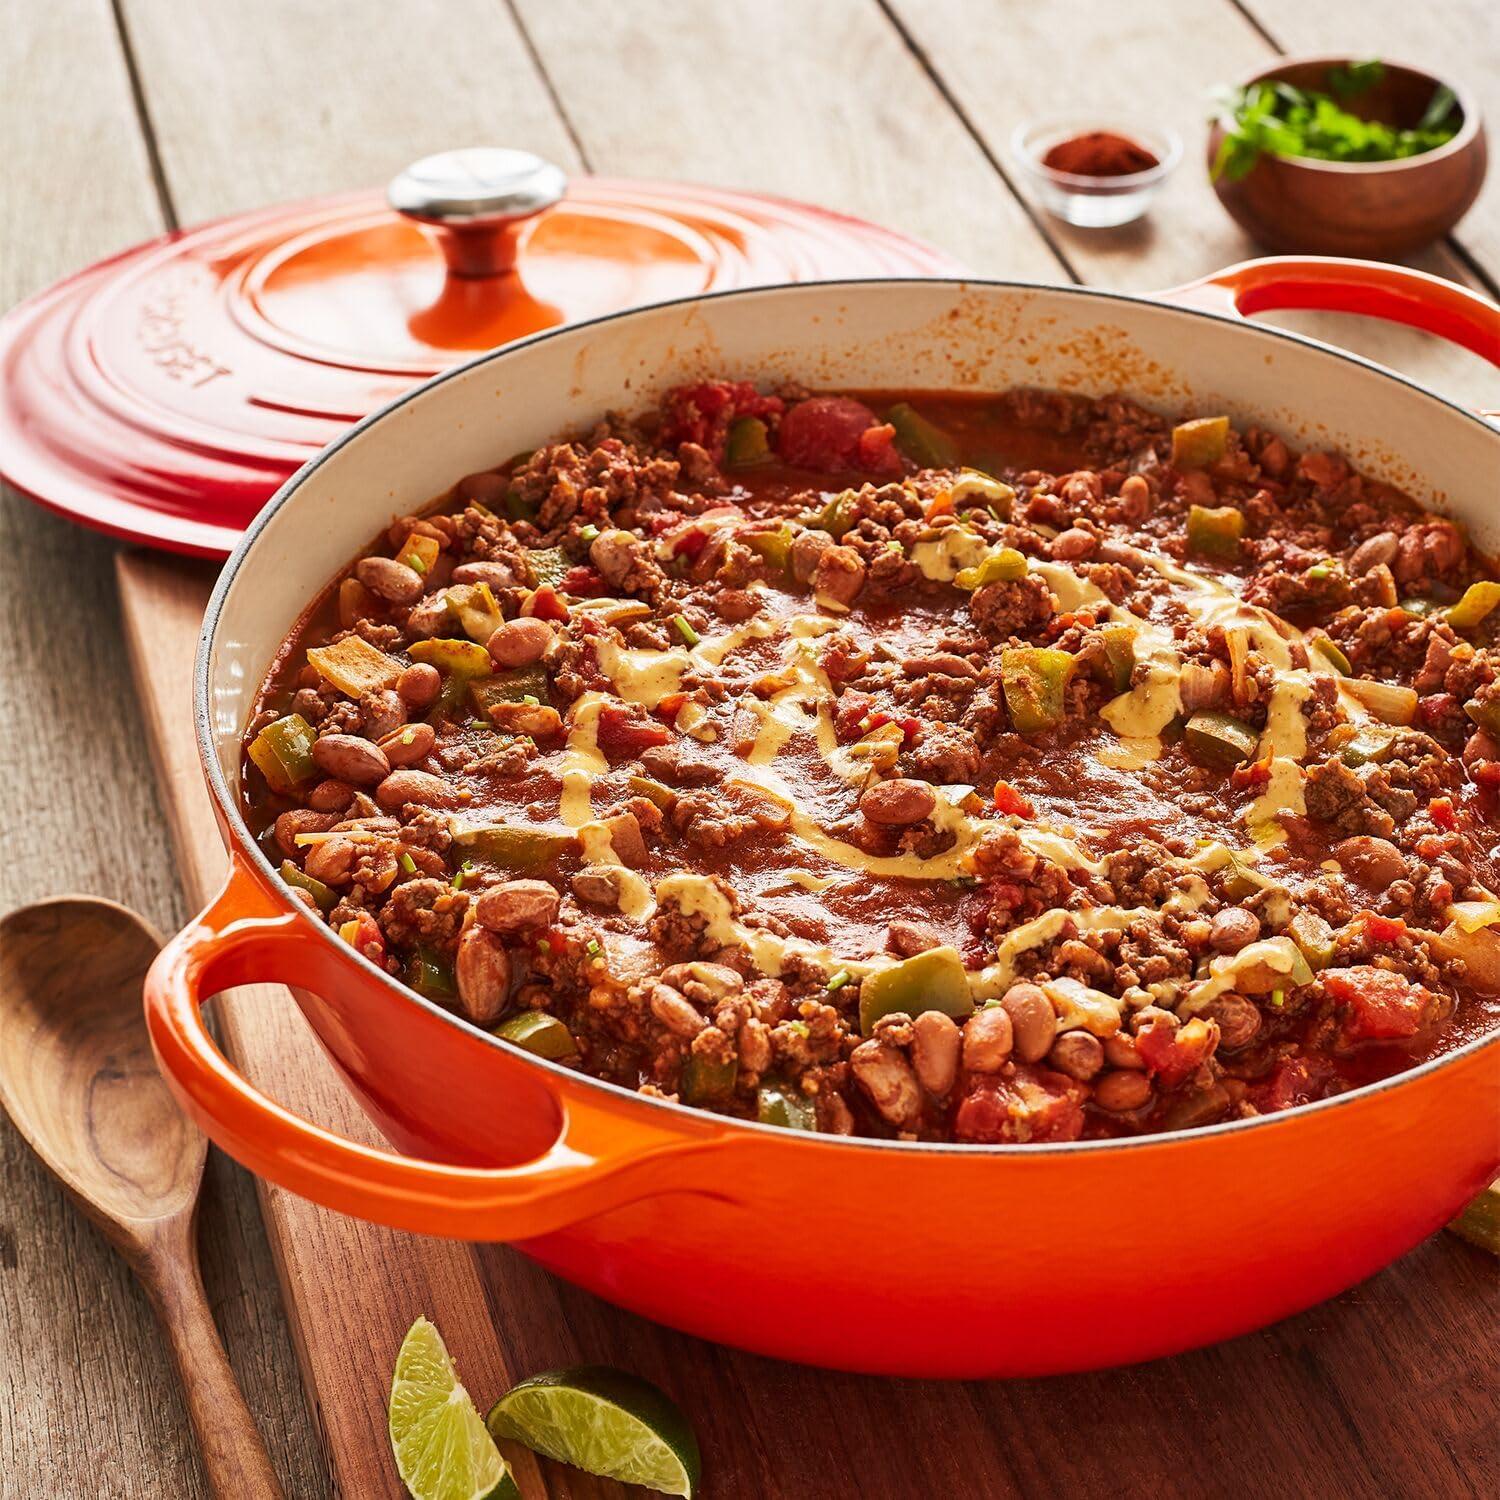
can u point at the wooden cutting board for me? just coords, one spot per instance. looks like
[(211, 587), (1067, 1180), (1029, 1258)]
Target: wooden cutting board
[(1388, 1390)]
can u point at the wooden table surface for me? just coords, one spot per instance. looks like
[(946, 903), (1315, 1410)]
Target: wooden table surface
[(121, 117)]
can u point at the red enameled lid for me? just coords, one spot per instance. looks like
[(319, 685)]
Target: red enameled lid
[(163, 395)]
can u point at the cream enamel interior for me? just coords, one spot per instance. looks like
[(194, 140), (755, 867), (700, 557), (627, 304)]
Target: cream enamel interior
[(913, 334)]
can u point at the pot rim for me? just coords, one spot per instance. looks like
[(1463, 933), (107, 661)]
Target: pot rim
[(245, 847), (1464, 137)]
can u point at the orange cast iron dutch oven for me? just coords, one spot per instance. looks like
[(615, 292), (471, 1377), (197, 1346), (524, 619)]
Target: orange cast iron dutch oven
[(927, 1260)]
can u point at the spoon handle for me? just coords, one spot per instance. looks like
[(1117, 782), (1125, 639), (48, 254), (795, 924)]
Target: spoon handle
[(234, 1458)]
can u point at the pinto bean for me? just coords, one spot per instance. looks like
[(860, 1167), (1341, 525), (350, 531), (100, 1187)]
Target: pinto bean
[(934, 1051), (1032, 1019), (330, 796), (430, 617), (1238, 1019), (898, 802), (907, 939), (487, 487), (1372, 862), (839, 575), (599, 885), (1233, 928), (806, 549), (350, 758), (499, 575), (300, 820), (883, 1072), (614, 553), (409, 744), (421, 787), (419, 685), (1374, 551), (718, 981), (382, 714), (514, 905), (1122, 554), (1122, 1092), (675, 1011), (1120, 1052), (989, 1038), (1074, 543), (1077, 1054), (481, 970), (520, 642), (393, 581), (332, 860)]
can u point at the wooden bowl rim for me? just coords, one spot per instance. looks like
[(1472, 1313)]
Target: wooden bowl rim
[(1468, 132)]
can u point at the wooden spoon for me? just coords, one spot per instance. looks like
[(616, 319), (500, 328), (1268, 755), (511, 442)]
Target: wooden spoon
[(78, 1078)]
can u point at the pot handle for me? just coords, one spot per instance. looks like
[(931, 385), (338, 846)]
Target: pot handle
[(599, 1160), (1329, 284)]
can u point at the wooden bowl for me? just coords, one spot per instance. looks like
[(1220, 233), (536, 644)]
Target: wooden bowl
[(1303, 205)]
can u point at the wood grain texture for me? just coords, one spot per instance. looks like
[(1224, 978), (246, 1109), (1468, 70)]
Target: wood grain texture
[(82, 1408), (1384, 1391), (1159, 61), (818, 101), (78, 1079)]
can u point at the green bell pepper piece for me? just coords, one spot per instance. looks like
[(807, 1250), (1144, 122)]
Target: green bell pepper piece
[(457, 658), (834, 517), (539, 1034), (1332, 654), (514, 685), (326, 897), (1478, 600), (1201, 442), (283, 751), (1034, 679), (923, 442), (513, 847), (1119, 648), (703, 1080), (1370, 744), (430, 973), (777, 1104), (774, 546), (1215, 531), (934, 980), (748, 443), (1219, 739), (1314, 937), (1006, 565), (547, 565), (476, 609)]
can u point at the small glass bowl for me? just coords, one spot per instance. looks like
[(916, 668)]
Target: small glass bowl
[(1094, 202)]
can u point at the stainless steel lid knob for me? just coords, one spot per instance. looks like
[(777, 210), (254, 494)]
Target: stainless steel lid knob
[(477, 199)]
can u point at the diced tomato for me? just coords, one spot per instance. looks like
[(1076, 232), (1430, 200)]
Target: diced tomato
[(1174, 1053), (828, 432), (877, 450), (911, 731), (1487, 773), (1384, 929), (669, 707), (702, 413), (585, 582), (1297, 1080), (1257, 773), (1441, 811), (1436, 707), (1022, 1104), (1382, 1006), (1009, 800), (624, 731), (363, 934), (546, 604)]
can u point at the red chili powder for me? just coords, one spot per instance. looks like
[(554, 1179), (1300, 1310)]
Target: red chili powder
[(1099, 153)]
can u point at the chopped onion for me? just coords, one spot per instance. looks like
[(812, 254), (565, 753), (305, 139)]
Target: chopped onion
[(1395, 705), (1472, 915)]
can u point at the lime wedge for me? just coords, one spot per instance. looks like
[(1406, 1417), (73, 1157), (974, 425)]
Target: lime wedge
[(605, 1422), (1479, 1223), (442, 1449)]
